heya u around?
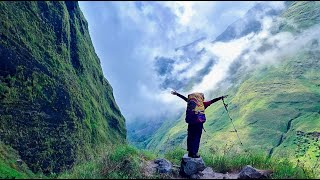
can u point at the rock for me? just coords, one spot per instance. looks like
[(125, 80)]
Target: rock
[(208, 173), (19, 162), (164, 166), (249, 172), (149, 168), (175, 171), (190, 166), (195, 176)]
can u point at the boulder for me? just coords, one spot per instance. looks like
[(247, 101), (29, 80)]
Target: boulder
[(248, 172), (164, 166), (190, 166), (195, 176)]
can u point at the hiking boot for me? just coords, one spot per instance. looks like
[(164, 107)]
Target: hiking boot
[(196, 156)]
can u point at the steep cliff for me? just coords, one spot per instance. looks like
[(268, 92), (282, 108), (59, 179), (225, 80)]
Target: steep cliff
[(55, 104)]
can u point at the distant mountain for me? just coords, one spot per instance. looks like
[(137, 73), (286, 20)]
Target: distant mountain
[(250, 23), (191, 55), (56, 107), (190, 46)]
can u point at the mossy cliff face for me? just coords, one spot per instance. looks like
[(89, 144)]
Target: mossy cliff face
[(55, 104)]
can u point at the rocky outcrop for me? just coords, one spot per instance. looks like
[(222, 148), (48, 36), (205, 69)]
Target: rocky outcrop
[(248, 172), (191, 166), (162, 167)]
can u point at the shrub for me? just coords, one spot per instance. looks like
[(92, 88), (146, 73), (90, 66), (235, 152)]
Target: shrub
[(175, 155)]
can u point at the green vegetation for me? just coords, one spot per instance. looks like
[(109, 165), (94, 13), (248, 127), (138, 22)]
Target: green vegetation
[(175, 155), (111, 162), (10, 168), (56, 107), (121, 162), (301, 15)]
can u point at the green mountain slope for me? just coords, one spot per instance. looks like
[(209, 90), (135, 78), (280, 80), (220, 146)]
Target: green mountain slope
[(56, 107), (275, 108)]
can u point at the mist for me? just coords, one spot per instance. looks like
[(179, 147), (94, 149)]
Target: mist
[(254, 51)]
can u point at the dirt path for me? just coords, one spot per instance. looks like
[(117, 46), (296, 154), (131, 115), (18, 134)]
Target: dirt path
[(149, 170), (208, 173)]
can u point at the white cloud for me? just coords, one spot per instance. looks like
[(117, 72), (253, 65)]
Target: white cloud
[(226, 53), (282, 45), (276, 4), (180, 66)]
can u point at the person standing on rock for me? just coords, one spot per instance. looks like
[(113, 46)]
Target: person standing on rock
[(195, 117)]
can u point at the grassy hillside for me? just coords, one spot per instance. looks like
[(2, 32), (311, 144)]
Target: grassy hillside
[(56, 107), (275, 108)]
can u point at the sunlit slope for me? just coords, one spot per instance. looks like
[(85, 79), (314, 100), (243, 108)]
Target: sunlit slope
[(301, 15), (265, 107)]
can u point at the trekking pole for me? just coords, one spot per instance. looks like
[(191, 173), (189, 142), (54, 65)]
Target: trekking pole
[(225, 106)]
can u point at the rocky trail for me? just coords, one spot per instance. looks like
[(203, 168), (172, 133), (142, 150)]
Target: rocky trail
[(194, 168)]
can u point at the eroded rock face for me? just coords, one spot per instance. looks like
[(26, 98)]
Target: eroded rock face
[(191, 166)]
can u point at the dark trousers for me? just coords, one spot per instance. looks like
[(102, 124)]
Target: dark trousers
[(193, 139)]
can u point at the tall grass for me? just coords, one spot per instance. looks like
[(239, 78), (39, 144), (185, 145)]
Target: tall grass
[(119, 162), (232, 161), (175, 155)]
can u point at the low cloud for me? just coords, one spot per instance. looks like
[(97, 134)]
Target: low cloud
[(254, 51)]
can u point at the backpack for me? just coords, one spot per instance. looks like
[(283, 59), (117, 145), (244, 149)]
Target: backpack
[(195, 109)]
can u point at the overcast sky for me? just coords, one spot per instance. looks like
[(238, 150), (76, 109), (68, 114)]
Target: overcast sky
[(127, 36)]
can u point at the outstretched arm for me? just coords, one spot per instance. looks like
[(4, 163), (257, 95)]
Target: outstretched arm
[(208, 103), (179, 95)]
